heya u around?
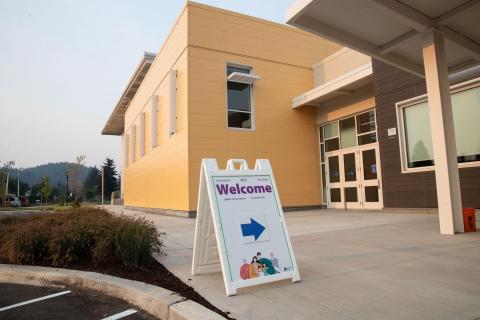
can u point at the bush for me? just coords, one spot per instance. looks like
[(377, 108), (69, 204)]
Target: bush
[(78, 236)]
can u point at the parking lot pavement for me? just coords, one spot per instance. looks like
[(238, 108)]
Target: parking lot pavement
[(33, 302)]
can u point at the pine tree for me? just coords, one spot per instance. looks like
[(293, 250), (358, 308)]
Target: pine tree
[(110, 178), (91, 185)]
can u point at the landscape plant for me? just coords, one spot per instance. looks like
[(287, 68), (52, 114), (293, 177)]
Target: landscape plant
[(83, 236)]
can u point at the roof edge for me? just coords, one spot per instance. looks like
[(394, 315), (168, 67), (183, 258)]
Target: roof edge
[(112, 126)]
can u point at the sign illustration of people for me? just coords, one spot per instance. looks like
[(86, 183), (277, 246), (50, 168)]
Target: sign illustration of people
[(259, 267)]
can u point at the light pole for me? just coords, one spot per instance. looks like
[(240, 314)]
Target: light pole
[(103, 181), (9, 165), (68, 195), (18, 184)]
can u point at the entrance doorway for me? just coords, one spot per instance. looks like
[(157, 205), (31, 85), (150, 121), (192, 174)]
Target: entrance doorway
[(350, 161), (353, 178)]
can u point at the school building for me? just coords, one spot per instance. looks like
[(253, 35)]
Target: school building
[(341, 129)]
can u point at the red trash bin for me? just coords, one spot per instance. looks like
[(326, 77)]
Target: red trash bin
[(469, 223)]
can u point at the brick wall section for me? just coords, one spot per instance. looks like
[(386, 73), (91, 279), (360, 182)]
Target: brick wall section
[(412, 190)]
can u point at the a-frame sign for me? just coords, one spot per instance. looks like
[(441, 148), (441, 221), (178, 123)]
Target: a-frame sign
[(240, 227)]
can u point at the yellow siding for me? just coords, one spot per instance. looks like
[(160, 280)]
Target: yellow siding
[(202, 42), (160, 178), (228, 31), (283, 58)]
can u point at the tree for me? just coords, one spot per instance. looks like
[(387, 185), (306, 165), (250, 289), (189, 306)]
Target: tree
[(75, 181), (91, 185), (3, 178), (110, 175), (46, 189)]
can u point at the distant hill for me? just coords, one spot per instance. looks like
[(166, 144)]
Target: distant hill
[(55, 171)]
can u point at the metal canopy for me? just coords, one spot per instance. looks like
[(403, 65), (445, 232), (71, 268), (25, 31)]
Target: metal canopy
[(344, 85), (243, 77), (115, 124), (391, 30)]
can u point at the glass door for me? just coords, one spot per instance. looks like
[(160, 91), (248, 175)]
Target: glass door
[(371, 187), (334, 182), (350, 180)]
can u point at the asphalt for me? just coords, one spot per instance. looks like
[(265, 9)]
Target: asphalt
[(354, 265), (77, 305)]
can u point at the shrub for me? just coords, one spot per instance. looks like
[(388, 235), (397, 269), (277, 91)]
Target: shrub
[(80, 235), (134, 243)]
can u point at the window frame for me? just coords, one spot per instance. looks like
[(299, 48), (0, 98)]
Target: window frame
[(354, 115), (399, 106), (252, 99)]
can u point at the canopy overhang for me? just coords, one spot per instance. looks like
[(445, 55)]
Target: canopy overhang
[(429, 38), (392, 31), (344, 85), (116, 122)]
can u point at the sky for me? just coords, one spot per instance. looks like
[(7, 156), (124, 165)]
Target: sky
[(64, 65)]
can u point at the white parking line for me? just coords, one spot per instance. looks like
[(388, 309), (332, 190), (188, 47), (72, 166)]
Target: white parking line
[(121, 314), (34, 300)]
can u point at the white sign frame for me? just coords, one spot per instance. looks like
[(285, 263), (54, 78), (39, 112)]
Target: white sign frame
[(209, 250)]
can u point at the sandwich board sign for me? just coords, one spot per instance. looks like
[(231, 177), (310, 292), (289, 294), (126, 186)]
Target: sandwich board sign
[(240, 227)]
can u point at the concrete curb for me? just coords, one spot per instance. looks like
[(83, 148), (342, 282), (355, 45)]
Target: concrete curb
[(161, 303)]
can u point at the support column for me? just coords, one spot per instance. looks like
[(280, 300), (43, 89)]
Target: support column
[(443, 134)]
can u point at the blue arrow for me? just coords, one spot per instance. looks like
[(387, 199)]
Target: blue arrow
[(252, 229)]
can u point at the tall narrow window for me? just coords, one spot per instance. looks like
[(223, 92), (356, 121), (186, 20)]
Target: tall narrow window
[(239, 98), (132, 143), (348, 136), (126, 146), (142, 134), (153, 114), (418, 136)]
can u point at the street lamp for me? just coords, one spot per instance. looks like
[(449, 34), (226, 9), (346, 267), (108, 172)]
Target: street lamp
[(8, 165), (18, 183), (103, 182), (66, 174)]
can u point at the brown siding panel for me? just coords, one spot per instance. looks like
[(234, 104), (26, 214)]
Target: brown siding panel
[(412, 190)]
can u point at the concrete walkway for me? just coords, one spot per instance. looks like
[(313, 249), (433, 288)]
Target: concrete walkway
[(361, 265)]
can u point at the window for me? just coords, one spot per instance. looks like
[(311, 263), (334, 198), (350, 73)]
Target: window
[(366, 128), (126, 146), (132, 143), (418, 136), (416, 139), (154, 116), (349, 132), (332, 139), (142, 134), (239, 96)]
